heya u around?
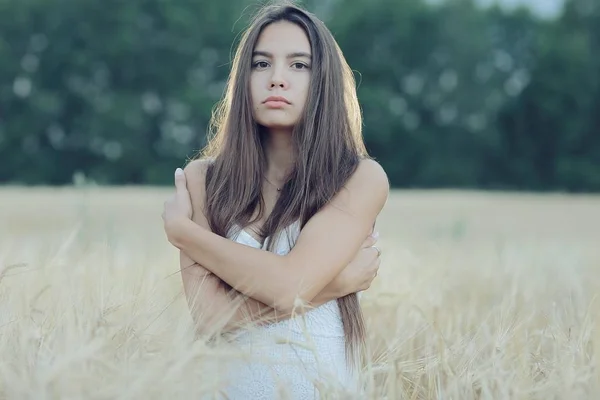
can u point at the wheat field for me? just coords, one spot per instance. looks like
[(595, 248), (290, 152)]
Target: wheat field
[(479, 296)]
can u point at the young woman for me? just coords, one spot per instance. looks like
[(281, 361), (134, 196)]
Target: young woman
[(286, 171)]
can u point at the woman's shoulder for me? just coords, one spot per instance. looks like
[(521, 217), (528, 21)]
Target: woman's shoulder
[(195, 176), (195, 170), (370, 174), (367, 188)]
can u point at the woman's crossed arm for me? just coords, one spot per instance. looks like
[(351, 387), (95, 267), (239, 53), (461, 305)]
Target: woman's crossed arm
[(214, 310), (326, 245)]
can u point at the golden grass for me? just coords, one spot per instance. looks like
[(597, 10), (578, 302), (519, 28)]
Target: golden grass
[(480, 296)]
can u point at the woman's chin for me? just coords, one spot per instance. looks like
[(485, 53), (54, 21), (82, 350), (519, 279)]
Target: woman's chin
[(279, 125)]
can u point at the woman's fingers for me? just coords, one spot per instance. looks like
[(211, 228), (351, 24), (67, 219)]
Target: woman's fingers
[(374, 251), (180, 181), (370, 240), (368, 263), (373, 270), (376, 265), (378, 251)]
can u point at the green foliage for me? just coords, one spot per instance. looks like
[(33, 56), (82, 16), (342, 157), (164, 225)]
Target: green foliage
[(453, 95)]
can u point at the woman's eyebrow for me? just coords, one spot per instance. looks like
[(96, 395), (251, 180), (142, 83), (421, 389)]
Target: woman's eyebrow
[(291, 55)]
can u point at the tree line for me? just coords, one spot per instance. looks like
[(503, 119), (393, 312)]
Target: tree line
[(453, 95)]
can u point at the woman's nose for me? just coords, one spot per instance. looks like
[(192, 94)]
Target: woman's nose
[(277, 80)]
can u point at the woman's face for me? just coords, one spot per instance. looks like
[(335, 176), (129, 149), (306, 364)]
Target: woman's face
[(280, 77)]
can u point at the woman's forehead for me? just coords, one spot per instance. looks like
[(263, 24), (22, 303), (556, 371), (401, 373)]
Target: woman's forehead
[(283, 39)]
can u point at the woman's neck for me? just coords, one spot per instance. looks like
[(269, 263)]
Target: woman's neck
[(280, 155)]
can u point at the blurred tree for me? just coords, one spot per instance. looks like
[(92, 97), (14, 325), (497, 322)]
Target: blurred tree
[(453, 95), (449, 69), (120, 90), (550, 132)]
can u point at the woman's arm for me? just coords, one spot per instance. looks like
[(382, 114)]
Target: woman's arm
[(327, 243), (213, 310), (209, 305)]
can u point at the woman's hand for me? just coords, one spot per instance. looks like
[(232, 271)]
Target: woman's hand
[(361, 271), (178, 207)]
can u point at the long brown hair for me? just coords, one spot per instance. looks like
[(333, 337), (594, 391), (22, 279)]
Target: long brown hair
[(327, 141)]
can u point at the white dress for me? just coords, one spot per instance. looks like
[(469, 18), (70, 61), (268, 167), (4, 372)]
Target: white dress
[(292, 359)]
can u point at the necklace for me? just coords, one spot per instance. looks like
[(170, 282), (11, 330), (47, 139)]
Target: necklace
[(272, 184)]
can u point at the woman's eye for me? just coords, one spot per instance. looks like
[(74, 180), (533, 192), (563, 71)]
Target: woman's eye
[(261, 64), (299, 65)]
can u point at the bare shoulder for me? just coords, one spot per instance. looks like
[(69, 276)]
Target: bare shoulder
[(370, 173), (196, 169), (195, 175), (369, 182)]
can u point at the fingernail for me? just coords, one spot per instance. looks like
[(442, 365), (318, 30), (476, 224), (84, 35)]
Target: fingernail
[(178, 171), (375, 235)]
